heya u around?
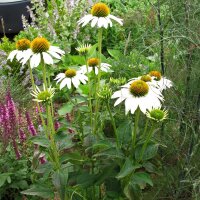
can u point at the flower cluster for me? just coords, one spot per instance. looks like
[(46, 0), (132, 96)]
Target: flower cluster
[(36, 51), (145, 93)]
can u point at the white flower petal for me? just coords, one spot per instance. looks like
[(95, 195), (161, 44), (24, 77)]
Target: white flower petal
[(60, 76), (12, 55), (35, 60), (100, 22), (47, 58), (96, 70), (120, 21), (75, 82), (64, 82), (94, 21), (56, 50), (27, 56), (54, 54), (87, 19)]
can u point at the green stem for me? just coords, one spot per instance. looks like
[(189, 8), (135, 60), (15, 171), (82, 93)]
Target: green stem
[(33, 86), (145, 128), (50, 131), (134, 133), (89, 93), (44, 75), (113, 123), (98, 78), (146, 142), (51, 102)]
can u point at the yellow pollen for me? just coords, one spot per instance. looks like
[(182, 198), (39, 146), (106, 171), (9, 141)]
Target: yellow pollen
[(23, 44), (92, 62), (70, 73), (146, 78), (100, 10), (139, 88), (156, 74), (39, 45)]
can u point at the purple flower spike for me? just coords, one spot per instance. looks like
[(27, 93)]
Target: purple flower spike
[(22, 135), (31, 127), (17, 153)]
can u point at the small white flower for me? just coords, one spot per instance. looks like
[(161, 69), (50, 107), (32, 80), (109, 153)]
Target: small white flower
[(40, 51), (43, 96), (100, 16), (22, 48), (70, 77), (138, 94), (93, 64)]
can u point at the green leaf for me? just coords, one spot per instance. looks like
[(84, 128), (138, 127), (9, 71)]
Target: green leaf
[(74, 156), (111, 153), (149, 153), (132, 191), (92, 50), (60, 180), (127, 169), (40, 191), (3, 178), (84, 108), (116, 54), (124, 132), (67, 108), (40, 140), (79, 60), (142, 178)]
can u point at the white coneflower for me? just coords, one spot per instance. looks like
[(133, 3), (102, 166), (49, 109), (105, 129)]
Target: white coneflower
[(138, 94), (100, 16), (71, 76), (93, 64), (43, 96), (41, 50), (162, 82), (22, 48)]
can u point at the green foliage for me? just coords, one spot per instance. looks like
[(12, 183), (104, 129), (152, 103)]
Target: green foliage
[(6, 45), (14, 175)]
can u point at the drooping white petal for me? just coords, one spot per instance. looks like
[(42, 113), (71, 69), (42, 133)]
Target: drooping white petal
[(96, 70), (35, 60), (100, 22), (105, 23), (120, 21), (128, 105), (19, 55), (75, 82), (27, 56), (54, 54), (94, 21), (60, 76), (109, 21), (56, 50), (47, 58), (12, 55), (64, 82), (87, 19), (119, 100)]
